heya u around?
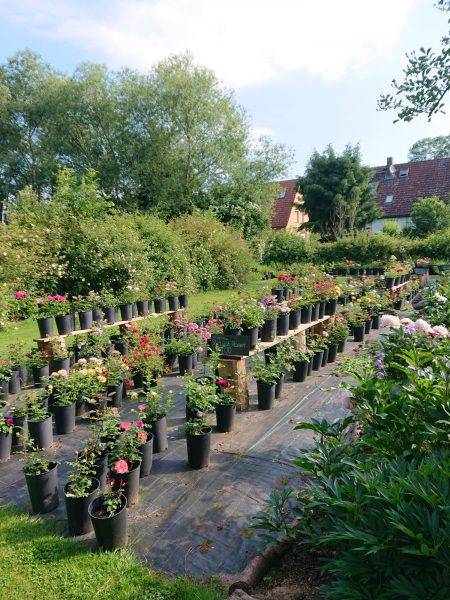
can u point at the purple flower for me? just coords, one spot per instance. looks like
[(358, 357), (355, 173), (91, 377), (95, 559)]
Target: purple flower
[(378, 364), (410, 329), (380, 375), (381, 355)]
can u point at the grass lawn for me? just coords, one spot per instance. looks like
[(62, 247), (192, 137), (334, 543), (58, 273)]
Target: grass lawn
[(199, 304), (36, 562)]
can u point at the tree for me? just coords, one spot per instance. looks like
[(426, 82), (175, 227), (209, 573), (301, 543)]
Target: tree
[(426, 81), (429, 215), (336, 193), (428, 148)]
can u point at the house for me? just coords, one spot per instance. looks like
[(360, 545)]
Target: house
[(398, 187), (287, 212)]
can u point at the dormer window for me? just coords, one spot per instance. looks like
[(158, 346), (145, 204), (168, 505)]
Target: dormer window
[(282, 195), (389, 198), (403, 173)]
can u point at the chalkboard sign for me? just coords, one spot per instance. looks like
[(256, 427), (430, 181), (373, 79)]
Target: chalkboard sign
[(231, 345)]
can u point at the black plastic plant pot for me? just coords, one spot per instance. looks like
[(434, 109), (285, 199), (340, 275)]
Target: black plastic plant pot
[(73, 317), (100, 467), (278, 292), (252, 333), (398, 304), (183, 300), (279, 386), (322, 306), (198, 449), (170, 361), (43, 490), (389, 282), (5, 446), (78, 519), (97, 315), (358, 333), (368, 326), (80, 406), (41, 432), (159, 430), (110, 532), (20, 429), (23, 375), (142, 308), (225, 416), (14, 382), (134, 310), (185, 364), (64, 324), (174, 302), (45, 325), (111, 315), (325, 357), (376, 322), (286, 294), (64, 418), (231, 331), (396, 281), (330, 307), (266, 395), (129, 482), (294, 318), (160, 305), (40, 376), (317, 360), (341, 346), (86, 319), (59, 363), (306, 314), (122, 347), (115, 395), (332, 353), (310, 367), (146, 457), (4, 390), (169, 333), (269, 330), (315, 311), (300, 371), (138, 380), (126, 311), (283, 324)]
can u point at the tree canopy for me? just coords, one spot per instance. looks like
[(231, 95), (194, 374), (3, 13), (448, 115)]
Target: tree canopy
[(430, 215), (336, 193), (428, 148), (426, 81), (170, 141)]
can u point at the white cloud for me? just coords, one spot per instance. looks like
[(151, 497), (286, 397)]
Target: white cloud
[(246, 42)]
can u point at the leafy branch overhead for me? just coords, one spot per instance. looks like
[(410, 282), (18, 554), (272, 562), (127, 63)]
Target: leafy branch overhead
[(426, 81)]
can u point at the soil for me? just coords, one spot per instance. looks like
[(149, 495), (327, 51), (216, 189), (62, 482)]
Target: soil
[(296, 577)]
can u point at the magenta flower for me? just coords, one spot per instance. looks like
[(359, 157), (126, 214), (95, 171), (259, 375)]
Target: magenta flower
[(141, 406), (125, 425), (139, 424), (19, 295)]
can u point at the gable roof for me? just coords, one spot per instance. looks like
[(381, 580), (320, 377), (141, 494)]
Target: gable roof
[(425, 178), (283, 206)]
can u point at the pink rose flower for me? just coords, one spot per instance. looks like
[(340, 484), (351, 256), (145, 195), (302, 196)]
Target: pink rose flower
[(423, 326), (142, 435), (19, 295), (439, 331), (125, 425), (141, 406), (121, 467), (139, 424)]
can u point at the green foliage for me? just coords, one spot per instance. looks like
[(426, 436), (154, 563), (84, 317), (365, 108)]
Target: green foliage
[(336, 193), (365, 247), (425, 82), (391, 227), (429, 148), (430, 215), (436, 245), (287, 248)]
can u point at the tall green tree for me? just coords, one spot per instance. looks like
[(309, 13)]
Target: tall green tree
[(428, 148), (426, 82), (430, 215), (336, 193)]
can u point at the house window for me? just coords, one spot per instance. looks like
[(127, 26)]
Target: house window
[(389, 198), (403, 173), (282, 195)]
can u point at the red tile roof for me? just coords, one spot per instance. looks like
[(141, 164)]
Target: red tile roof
[(283, 206), (425, 178)]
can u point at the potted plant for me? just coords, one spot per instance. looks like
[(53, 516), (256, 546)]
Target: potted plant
[(59, 356), (89, 379), (295, 304), (283, 320), (39, 422), (183, 298), (20, 423), (17, 357), (271, 308), (198, 440), (41, 475), (338, 334), (116, 370), (357, 318), (184, 347), (6, 431), (145, 358), (225, 406), (266, 376), (109, 516), (200, 396), (126, 299), (109, 304), (95, 453), (301, 359), (106, 428), (5, 375), (84, 305), (79, 492), (317, 344), (38, 363), (153, 411), (252, 318), (125, 459), (64, 390), (61, 312), (170, 291)]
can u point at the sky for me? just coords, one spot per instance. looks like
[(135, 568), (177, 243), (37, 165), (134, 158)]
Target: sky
[(308, 72)]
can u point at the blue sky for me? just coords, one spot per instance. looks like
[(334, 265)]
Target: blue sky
[(309, 73)]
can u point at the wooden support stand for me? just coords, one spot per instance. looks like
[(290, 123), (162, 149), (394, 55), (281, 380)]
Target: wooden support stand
[(234, 368)]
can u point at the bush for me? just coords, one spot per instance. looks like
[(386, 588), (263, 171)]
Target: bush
[(436, 245), (287, 248), (391, 227), (365, 247), (430, 215)]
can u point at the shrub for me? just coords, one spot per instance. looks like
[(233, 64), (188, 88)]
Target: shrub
[(287, 248), (365, 248), (430, 215), (436, 245), (391, 227)]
